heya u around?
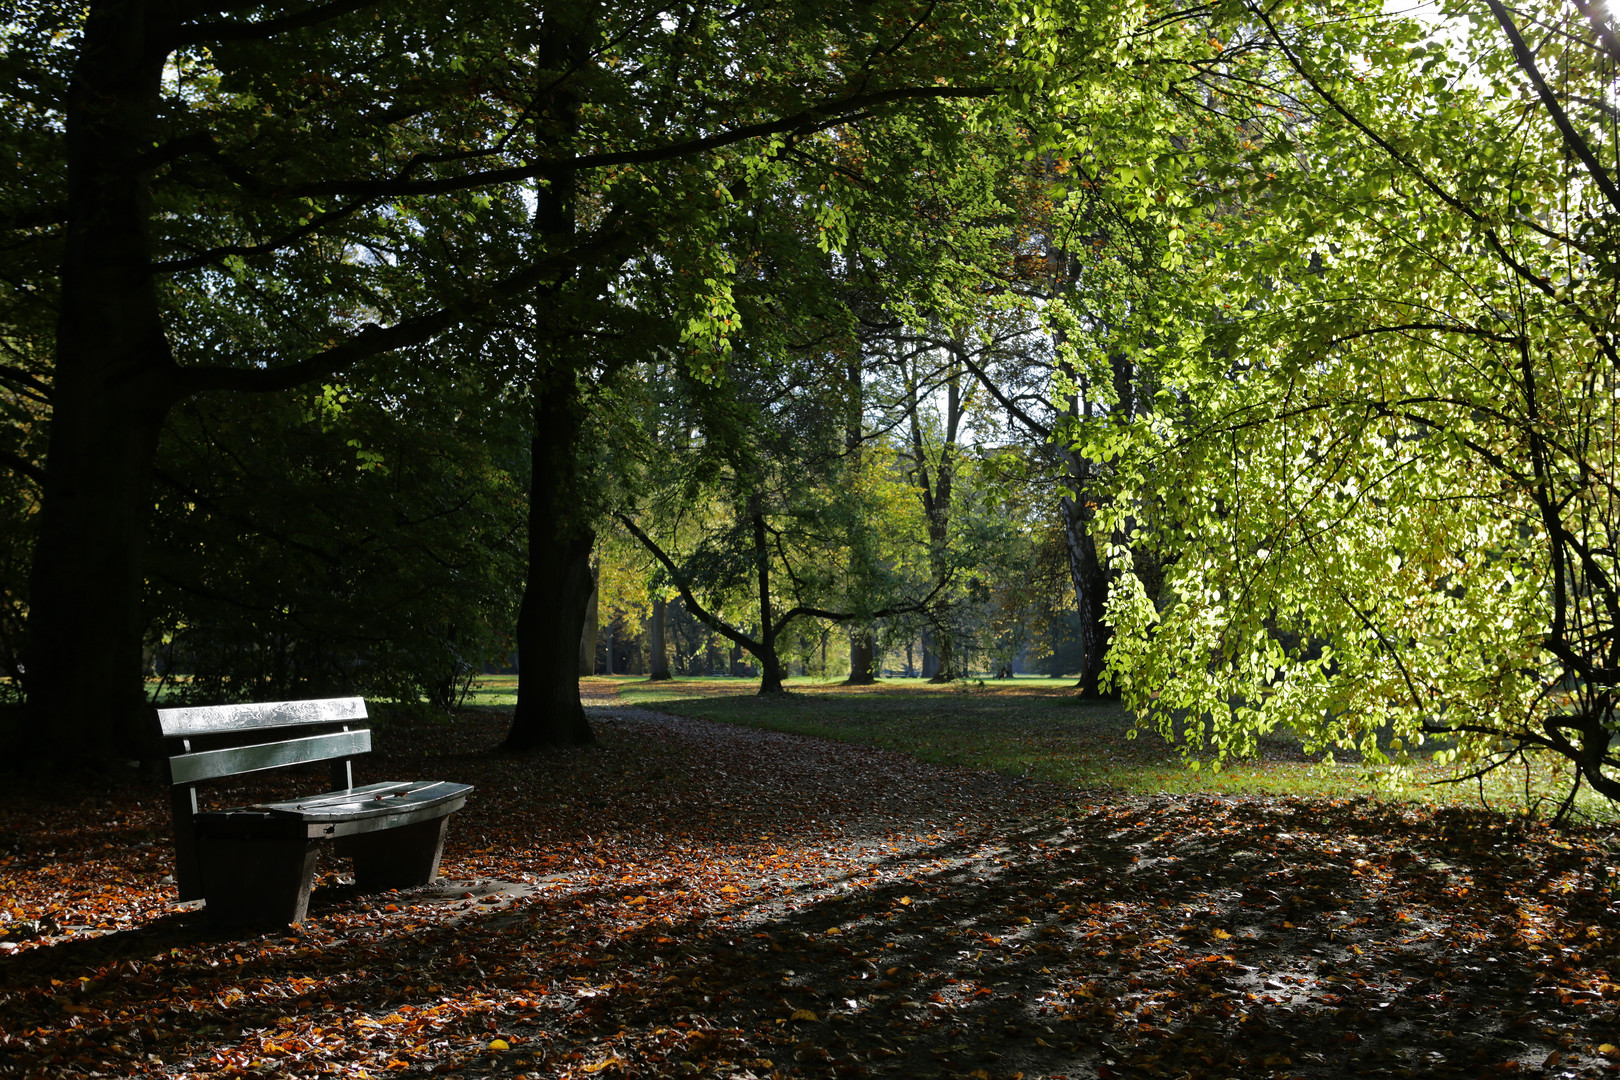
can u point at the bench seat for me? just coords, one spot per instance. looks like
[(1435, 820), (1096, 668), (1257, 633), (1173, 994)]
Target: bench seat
[(255, 864), (335, 814)]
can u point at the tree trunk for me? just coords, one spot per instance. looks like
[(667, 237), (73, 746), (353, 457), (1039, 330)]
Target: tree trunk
[(862, 658), (113, 385), (551, 618), (557, 590), (587, 636), (930, 659), (636, 651), (770, 669), (1090, 594), (658, 642), (944, 656)]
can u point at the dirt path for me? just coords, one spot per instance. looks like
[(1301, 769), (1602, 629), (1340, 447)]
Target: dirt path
[(692, 899)]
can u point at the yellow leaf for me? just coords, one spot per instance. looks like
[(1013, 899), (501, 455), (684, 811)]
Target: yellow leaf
[(1610, 1049), (805, 1014), (600, 1065), (499, 1044), (903, 900), (1223, 934)]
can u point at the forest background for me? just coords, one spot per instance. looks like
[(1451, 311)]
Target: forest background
[(352, 346)]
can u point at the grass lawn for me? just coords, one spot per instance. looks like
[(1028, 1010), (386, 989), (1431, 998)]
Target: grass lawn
[(1037, 727)]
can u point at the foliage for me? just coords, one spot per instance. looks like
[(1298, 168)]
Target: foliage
[(332, 541), (1381, 453), (259, 201)]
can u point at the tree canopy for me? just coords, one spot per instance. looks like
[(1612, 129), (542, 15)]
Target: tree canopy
[(1294, 321), (1380, 455)]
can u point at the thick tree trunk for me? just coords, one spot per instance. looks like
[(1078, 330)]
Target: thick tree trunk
[(1090, 594), (114, 383), (658, 642), (551, 617), (86, 698), (862, 657), (944, 659)]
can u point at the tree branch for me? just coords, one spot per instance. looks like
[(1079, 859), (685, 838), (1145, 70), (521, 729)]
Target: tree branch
[(23, 467), (1573, 140), (610, 241), (807, 121), (702, 614), (225, 30)]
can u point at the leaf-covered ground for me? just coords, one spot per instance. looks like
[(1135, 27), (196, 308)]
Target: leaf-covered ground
[(692, 899)]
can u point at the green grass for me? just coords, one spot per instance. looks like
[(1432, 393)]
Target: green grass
[(1039, 728), (1024, 726)]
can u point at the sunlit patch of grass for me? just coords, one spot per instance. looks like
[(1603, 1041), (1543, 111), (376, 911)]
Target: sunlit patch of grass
[(493, 691), (1040, 729)]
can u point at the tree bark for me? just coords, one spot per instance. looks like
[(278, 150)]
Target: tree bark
[(551, 617), (658, 642), (114, 382), (862, 641), (936, 489), (1090, 594), (588, 634), (770, 668), (557, 590), (862, 657)]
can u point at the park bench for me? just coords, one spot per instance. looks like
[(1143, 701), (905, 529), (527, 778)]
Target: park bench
[(255, 864)]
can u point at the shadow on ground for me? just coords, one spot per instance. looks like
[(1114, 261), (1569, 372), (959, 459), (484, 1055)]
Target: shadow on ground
[(694, 900)]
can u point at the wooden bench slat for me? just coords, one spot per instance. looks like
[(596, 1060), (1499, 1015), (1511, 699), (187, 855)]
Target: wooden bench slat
[(317, 802), (420, 799), (230, 761), (334, 821), (367, 801), (221, 719)]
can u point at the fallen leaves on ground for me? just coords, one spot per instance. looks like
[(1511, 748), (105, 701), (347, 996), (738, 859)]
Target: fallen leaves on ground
[(690, 899)]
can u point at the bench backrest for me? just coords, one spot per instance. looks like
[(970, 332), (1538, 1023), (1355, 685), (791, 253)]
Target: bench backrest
[(262, 735), (215, 741)]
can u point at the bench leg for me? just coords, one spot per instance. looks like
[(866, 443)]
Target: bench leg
[(396, 858), (256, 882)]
